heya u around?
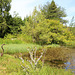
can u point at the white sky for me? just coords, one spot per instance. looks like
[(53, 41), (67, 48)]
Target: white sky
[(25, 7)]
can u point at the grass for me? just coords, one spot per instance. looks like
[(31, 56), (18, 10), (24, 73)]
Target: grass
[(9, 65), (10, 41), (52, 46), (18, 48), (71, 44)]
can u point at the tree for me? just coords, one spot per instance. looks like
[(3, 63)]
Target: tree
[(5, 7), (46, 31), (4, 12), (14, 24), (3, 28), (52, 11), (51, 31)]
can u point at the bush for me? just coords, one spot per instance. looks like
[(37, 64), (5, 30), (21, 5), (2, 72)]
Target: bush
[(24, 38), (16, 39), (10, 41)]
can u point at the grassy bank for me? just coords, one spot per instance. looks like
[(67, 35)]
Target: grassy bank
[(71, 44), (15, 68), (18, 48), (9, 65)]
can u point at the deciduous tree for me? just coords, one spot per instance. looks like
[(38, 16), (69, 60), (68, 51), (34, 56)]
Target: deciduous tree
[(4, 12)]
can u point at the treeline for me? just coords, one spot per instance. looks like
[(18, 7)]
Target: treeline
[(44, 26), (8, 24)]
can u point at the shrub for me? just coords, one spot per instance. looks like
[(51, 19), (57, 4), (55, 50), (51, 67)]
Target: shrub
[(24, 38)]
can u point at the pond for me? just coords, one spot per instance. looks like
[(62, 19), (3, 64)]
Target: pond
[(70, 64)]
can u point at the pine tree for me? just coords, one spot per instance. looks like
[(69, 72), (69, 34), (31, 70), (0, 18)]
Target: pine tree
[(51, 11)]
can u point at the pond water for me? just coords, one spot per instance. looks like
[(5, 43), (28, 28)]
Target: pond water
[(70, 64)]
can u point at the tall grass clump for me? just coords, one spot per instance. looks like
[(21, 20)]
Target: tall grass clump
[(18, 48)]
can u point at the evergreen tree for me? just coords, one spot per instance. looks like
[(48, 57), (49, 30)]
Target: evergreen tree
[(14, 24), (5, 7), (51, 11)]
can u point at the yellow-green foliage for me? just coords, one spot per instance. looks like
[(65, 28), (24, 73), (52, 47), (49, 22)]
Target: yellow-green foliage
[(50, 31), (46, 31), (16, 39), (25, 38)]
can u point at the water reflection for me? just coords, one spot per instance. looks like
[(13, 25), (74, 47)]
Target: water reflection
[(71, 63)]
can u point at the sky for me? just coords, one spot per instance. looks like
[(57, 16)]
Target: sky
[(26, 7)]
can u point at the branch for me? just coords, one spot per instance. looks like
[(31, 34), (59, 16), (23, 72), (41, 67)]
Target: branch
[(31, 55), (30, 63), (35, 54), (21, 59), (39, 58)]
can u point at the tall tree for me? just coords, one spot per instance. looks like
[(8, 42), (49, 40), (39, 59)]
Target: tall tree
[(52, 11), (5, 7), (4, 12), (14, 23), (3, 28)]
